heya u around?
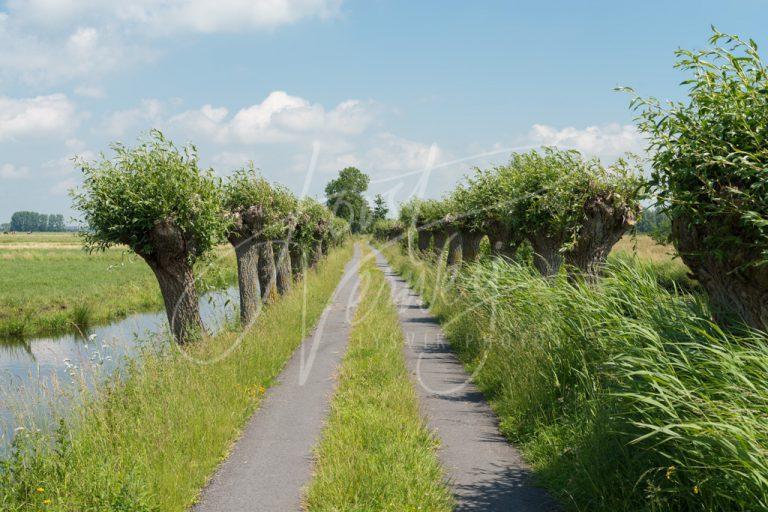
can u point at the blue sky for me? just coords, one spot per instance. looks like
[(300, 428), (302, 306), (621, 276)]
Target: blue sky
[(306, 87)]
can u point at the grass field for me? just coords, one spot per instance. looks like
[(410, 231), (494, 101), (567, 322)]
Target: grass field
[(660, 259), (150, 441), (376, 452), (624, 396), (49, 285)]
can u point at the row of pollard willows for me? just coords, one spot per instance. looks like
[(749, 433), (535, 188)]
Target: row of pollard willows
[(155, 199), (709, 158), (570, 209)]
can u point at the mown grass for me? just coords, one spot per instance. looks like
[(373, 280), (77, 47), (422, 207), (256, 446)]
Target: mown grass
[(150, 438), (624, 396), (376, 452), (49, 285)]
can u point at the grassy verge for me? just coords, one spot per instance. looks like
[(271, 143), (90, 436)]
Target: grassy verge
[(623, 396), (376, 452), (49, 285), (149, 441)]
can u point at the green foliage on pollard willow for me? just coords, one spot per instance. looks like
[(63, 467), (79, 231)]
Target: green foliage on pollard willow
[(313, 222), (710, 155), (549, 190), (276, 205), (124, 198)]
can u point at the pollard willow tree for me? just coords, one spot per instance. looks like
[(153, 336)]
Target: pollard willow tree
[(259, 214), (413, 221), (483, 208), (432, 220), (710, 173), (155, 199), (569, 208), (305, 245), (338, 232)]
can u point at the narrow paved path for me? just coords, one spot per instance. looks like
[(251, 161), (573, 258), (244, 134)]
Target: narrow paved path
[(485, 471), (272, 461)]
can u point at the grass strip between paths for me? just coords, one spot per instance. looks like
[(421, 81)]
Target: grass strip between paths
[(377, 452), (151, 441)]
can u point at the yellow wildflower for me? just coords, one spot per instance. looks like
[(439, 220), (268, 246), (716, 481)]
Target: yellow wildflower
[(695, 489), (47, 502), (40, 489), (670, 470)]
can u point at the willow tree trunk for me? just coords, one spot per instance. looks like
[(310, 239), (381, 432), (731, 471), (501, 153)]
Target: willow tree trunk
[(247, 253), (424, 237), (438, 241), (454, 247), (177, 284), (546, 254), (470, 245), (734, 286), (284, 273), (604, 224), (316, 254), (169, 259), (267, 272), (298, 260), (500, 239)]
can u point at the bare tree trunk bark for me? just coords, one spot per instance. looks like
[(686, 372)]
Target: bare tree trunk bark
[(284, 274), (298, 262), (470, 245), (316, 254), (454, 247), (177, 284), (733, 287), (267, 272), (247, 254), (604, 225), (501, 242), (546, 254), (424, 238), (439, 238)]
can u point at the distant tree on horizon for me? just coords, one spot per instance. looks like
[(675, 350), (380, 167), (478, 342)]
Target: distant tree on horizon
[(34, 221), (380, 209), (345, 197)]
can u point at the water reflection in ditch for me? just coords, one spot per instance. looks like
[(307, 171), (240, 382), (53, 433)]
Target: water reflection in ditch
[(39, 373)]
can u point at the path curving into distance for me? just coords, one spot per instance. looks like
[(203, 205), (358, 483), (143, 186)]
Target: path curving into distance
[(272, 461), (485, 472)]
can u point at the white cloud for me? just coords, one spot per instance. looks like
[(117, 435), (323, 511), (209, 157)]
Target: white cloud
[(89, 91), (173, 15), (144, 117), (396, 154), (12, 172), (41, 57), (279, 118), (36, 116), (67, 164), (606, 141), (63, 187), (47, 41)]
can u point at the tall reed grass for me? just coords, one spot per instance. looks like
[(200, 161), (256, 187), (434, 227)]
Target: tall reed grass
[(623, 395), (150, 438)]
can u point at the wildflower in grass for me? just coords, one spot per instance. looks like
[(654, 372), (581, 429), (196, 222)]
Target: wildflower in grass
[(670, 471), (695, 489), (262, 390), (47, 501), (40, 489)]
